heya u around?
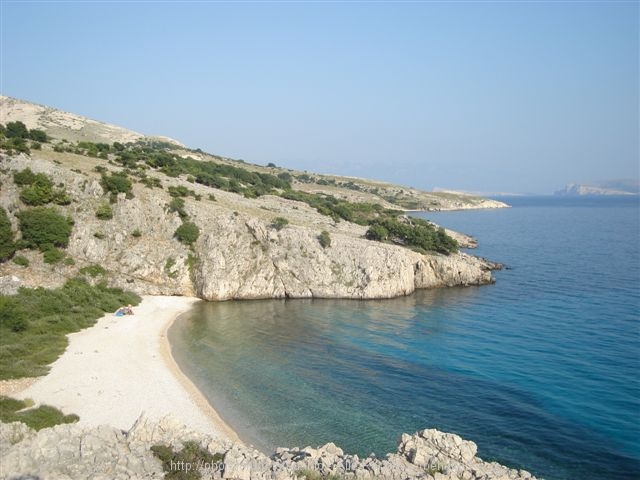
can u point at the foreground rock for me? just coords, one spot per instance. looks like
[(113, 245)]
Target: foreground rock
[(76, 452)]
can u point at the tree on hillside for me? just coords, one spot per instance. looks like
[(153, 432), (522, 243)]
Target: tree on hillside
[(7, 245), (42, 227), (16, 130), (38, 136)]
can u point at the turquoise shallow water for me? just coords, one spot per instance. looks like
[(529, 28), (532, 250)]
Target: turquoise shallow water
[(540, 369)]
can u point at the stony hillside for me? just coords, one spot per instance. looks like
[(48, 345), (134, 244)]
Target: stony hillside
[(64, 125), (261, 232)]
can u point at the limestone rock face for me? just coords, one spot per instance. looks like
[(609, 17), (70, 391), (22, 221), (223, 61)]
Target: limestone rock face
[(77, 452), (239, 253)]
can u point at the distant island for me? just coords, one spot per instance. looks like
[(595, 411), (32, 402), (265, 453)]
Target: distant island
[(610, 188)]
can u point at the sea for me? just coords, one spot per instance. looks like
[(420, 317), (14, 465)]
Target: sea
[(541, 369)]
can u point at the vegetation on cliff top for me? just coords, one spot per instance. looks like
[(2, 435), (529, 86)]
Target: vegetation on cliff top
[(136, 158)]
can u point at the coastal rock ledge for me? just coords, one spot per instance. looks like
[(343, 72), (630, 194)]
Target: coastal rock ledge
[(81, 452)]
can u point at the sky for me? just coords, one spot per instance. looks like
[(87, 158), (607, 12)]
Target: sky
[(519, 97)]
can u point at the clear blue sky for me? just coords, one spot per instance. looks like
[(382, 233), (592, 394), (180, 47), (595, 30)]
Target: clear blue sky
[(510, 96)]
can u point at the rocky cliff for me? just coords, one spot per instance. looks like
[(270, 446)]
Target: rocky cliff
[(239, 253), (80, 452)]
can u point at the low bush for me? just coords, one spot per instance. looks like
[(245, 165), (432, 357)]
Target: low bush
[(44, 416), (117, 183), (93, 270), (325, 239), (187, 233), (412, 232), (38, 189), (279, 223), (104, 211), (52, 255), (177, 205), (7, 243), (34, 323), (191, 454), (21, 260), (168, 267), (43, 226)]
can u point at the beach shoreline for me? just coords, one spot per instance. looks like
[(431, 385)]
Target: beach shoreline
[(121, 368), (192, 390)]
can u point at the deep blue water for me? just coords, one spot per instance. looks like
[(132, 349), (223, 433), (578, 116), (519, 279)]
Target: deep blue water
[(540, 369)]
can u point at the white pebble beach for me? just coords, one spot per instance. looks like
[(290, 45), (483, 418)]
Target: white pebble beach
[(122, 367)]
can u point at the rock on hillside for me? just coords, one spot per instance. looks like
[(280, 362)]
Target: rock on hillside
[(79, 452), (239, 253)]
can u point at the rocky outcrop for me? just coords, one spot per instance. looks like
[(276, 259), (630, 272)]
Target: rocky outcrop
[(239, 254), (77, 452)]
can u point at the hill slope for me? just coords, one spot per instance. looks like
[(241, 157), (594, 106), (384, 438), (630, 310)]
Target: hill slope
[(264, 232)]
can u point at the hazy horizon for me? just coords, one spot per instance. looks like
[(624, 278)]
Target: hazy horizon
[(483, 97)]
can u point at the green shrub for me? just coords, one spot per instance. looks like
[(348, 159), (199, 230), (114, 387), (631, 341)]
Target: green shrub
[(37, 194), (191, 454), (177, 205), (212, 197), (16, 130), (93, 270), (412, 232), (24, 177), (100, 235), (38, 189), (168, 267), (38, 136), (52, 255), (60, 197), (7, 244), (279, 223), (377, 232), (325, 239), (187, 233), (21, 260), (42, 226), (44, 416), (104, 211), (34, 323), (136, 233), (117, 183), (180, 191), (151, 182)]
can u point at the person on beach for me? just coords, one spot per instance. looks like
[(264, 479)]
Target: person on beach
[(128, 310)]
